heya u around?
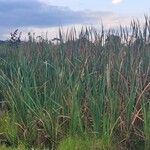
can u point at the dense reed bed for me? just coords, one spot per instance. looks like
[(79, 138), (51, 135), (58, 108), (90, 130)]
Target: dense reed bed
[(90, 91)]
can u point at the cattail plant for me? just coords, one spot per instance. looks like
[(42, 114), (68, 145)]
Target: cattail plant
[(93, 85)]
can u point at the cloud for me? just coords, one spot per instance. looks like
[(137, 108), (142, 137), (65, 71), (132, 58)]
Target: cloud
[(25, 13), (40, 16), (16, 13), (117, 1)]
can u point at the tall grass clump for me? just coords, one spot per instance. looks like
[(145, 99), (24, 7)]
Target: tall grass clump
[(94, 85)]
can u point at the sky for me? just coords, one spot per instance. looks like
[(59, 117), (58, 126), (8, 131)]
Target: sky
[(41, 16), (119, 6)]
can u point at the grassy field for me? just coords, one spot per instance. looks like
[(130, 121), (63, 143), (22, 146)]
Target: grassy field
[(87, 92)]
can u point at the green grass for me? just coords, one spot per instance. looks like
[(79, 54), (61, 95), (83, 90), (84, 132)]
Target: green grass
[(10, 148), (97, 88), (83, 143)]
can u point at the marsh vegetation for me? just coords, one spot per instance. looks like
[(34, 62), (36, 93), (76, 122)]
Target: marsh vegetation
[(86, 92)]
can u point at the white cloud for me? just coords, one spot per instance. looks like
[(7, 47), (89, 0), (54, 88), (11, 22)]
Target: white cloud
[(117, 1), (46, 2)]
